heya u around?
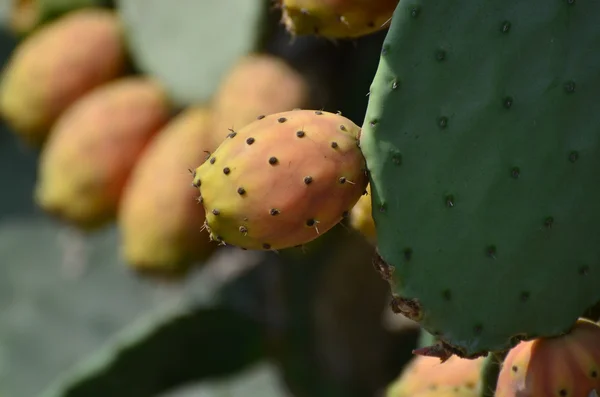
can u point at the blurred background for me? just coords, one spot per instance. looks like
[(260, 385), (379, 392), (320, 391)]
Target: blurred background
[(81, 318)]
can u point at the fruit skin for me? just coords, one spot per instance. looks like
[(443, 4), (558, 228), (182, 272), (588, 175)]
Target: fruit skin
[(425, 373), (336, 18), (258, 84), (447, 392), (282, 180), (55, 66), (161, 222), (361, 218), (567, 365), (483, 154), (93, 148)]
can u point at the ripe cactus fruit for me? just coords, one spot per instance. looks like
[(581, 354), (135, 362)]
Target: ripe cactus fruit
[(361, 218), (258, 84), (160, 221), (336, 18), (567, 365), (282, 180), (55, 66), (483, 154), (425, 373), (93, 148)]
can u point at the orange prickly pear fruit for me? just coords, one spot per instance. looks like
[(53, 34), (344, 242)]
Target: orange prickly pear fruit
[(282, 180), (567, 365), (55, 66), (361, 218), (93, 148), (258, 84), (161, 222), (424, 373), (337, 18)]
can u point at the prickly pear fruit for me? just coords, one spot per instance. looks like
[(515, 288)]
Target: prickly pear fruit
[(336, 18), (424, 373), (483, 152), (282, 180), (567, 365), (447, 392), (160, 222), (55, 66), (93, 148), (258, 84), (361, 218)]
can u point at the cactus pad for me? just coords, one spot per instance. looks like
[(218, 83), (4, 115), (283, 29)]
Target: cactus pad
[(282, 180), (482, 140)]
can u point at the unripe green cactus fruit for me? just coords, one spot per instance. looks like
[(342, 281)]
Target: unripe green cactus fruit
[(282, 180), (483, 144)]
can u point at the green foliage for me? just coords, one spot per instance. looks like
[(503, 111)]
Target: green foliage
[(482, 141), (190, 45)]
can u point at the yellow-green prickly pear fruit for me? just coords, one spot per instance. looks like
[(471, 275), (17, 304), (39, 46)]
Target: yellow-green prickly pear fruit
[(361, 218), (93, 148), (282, 180), (55, 66), (428, 373), (336, 18), (160, 217), (258, 84)]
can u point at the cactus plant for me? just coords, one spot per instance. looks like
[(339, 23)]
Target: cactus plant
[(482, 147), (282, 180)]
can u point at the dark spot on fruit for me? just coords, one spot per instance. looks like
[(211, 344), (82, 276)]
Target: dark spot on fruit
[(505, 27), (584, 270), (212, 160), (216, 212), (415, 11), (525, 295), (411, 308), (266, 246), (262, 116), (250, 141), (226, 170), (274, 211), (282, 120), (440, 55), (232, 134), (196, 183), (573, 156), (569, 86), (318, 112), (397, 158), (408, 254), (507, 102), (342, 180), (345, 214), (300, 134), (447, 294), (442, 122), (394, 84), (273, 160), (491, 251), (241, 191), (343, 127), (243, 229), (371, 24), (382, 207), (308, 180), (594, 374), (515, 368), (334, 145), (310, 222), (478, 329), (449, 201), (385, 49), (548, 222), (515, 172), (563, 392)]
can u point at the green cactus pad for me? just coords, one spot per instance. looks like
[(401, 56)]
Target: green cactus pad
[(482, 138), (189, 45)]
